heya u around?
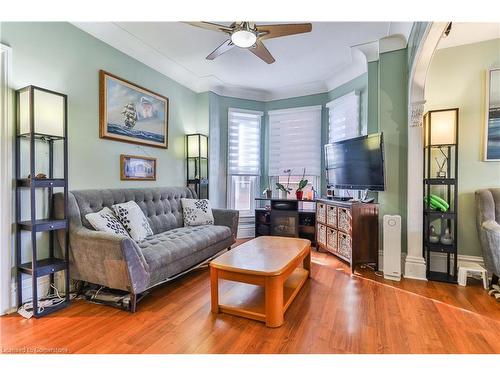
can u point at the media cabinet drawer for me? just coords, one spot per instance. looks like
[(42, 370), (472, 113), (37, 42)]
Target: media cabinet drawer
[(331, 216), (344, 245), (321, 212), (344, 220), (331, 240), (321, 230)]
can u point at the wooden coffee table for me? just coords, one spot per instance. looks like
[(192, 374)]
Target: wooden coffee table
[(265, 273)]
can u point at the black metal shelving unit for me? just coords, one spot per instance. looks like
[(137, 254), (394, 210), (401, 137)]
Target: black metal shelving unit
[(447, 186), (197, 165), (54, 263)]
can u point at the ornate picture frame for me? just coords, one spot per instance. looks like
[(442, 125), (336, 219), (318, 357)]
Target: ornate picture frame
[(131, 113)]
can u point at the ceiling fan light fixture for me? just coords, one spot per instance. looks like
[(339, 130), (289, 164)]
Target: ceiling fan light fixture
[(243, 38)]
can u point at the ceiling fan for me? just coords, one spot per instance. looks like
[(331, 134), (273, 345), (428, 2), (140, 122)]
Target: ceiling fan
[(248, 35)]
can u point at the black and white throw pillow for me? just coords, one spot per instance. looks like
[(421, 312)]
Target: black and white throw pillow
[(196, 212), (133, 219), (106, 221)]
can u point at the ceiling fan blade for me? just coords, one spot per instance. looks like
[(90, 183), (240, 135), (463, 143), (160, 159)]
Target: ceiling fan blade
[(262, 52), (276, 31), (211, 26), (224, 47)]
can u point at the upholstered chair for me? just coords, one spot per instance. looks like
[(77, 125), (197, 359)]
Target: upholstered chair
[(488, 226)]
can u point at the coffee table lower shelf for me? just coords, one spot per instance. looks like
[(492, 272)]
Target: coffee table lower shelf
[(249, 300)]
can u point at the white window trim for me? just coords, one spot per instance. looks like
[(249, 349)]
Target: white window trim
[(6, 301)]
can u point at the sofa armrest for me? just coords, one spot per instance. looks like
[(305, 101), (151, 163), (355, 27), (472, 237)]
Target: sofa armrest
[(228, 218), (489, 236), (108, 259)]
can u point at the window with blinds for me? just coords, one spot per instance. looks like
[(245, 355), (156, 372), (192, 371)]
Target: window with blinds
[(243, 159), (295, 141), (244, 142), (343, 122)]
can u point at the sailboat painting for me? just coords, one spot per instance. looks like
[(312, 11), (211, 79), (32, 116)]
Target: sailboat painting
[(130, 113), (492, 133)]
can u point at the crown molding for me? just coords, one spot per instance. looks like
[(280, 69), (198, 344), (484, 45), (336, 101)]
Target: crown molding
[(115, 36)]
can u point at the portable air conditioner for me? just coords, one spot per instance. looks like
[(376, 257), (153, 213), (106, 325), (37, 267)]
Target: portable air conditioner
[(392, 247)]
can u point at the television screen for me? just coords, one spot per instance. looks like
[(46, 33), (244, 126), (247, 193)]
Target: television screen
[(356, 163)]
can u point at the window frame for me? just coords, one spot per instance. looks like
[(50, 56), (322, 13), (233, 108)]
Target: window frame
[(256, 177)]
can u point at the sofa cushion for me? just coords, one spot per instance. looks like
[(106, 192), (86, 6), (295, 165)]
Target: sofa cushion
[(165, 250), (133, 219), (106, 221), (196, 212)]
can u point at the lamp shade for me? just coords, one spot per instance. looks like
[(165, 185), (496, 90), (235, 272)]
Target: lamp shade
[(48, 111), (197, 146), (442, 127)]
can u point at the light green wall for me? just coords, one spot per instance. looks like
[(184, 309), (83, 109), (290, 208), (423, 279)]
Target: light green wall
[(393, 122), (456, 78), (60, 57)]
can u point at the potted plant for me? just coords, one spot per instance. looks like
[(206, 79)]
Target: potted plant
[(284, 191), (299, 193), (268, 193)]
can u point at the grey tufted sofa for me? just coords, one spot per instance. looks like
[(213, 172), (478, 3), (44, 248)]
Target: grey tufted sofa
[(488, 227), (121, 263)]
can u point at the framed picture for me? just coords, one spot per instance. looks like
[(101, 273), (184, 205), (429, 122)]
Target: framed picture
[(492, 125), (137, 168), (130, 113)]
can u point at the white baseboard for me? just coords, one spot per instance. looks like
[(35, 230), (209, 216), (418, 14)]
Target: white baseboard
[(438, 260)]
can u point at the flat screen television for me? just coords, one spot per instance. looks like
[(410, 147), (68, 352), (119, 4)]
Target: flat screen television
[(356, 163)]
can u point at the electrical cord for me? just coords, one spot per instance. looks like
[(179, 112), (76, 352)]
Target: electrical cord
[(50, 300)]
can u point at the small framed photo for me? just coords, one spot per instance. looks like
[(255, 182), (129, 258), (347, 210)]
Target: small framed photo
[(137, 168)]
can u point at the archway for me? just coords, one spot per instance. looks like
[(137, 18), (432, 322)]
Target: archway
[(415, 262)]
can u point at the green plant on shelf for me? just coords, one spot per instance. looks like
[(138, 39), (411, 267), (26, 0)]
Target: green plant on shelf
[(303, 182), (281, 187)]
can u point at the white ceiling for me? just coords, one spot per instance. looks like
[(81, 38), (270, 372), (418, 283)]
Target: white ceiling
[(470, 32), (305, 64)]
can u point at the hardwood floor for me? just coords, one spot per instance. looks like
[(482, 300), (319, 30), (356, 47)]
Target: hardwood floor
[(335, 312)]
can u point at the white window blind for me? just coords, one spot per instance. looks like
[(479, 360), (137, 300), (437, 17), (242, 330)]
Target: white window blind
[(343, 118), (295, 141), (244, 142)]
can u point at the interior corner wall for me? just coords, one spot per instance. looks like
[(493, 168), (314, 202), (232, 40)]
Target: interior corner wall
[(61, 57), (457, 78), (393, 122)]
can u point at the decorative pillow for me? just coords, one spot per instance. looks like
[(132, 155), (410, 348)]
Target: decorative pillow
[(196, 212), (133, 219), (106, 221)]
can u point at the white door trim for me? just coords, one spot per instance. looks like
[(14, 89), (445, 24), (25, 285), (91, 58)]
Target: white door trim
[(5, 180), (415, 267)]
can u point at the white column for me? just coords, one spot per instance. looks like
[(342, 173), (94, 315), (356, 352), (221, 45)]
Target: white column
[(415, 262)]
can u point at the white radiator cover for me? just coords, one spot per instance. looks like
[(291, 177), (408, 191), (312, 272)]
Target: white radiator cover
[(392, 247)]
